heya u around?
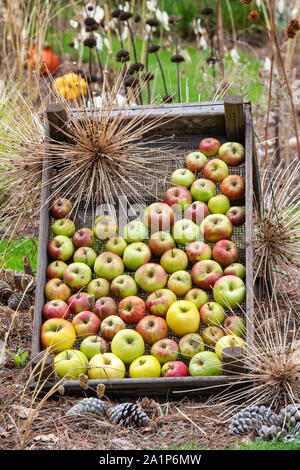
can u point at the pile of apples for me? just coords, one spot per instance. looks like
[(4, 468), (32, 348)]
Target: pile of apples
[(140, 305)]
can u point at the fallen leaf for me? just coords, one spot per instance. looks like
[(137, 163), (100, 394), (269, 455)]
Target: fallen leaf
[(46, 438)]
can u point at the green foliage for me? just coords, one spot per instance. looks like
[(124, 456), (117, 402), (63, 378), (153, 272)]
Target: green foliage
[(16, 252), (260, 444), (20, 357)]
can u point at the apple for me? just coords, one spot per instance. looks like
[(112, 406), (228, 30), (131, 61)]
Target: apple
[(106, 366), (58, 334), (135, 255), (70, 364), (205, 363), (105, 307), (56, 269), (174, 260), (159, 301), (60, 248), (123, 286), (236, 215), (198, 296), (86, 323), (195, 161), (182, 177), (228, 341), (105, 227), (198, 251), (110, 326), (108, 265), (165, 350), (178, 198), (235, 325), (116, 245), (64, 227), (218, 204), (205, 273), (211, 335), (135, 231), (215, 227), (174, 369), (92, 345), (152, 328), (225, 252), (191, 344), (235, 269), (144, 366), (99, 287), (232, 153), (209, 146), (60, 208), (215, 170), (203, 189), (56, 309), (132, 309), (180, 283), (160, 242), (197, 211), (83, 237), (158, 216), (185, 231), (57, 289), (233, 187), (81, 301), (128, 345), (85, 255), (229, 291), (211, 314), (77, 275), (183, 317), (151, 277)]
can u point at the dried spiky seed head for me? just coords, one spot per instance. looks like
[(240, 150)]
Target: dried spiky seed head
[(153, 22), (90, 42), (135, 68), (122, 56), (177, 58), (206, 11), (125, 15), (153, 48), (116, 12)]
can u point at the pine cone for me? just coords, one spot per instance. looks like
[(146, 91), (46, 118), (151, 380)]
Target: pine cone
[(149, 406), (19, 300), (252, 419), (19, 281), (128, 414), (294, 435), (5, 291), (88, 406)]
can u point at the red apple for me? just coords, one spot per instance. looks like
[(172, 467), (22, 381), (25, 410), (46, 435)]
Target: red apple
[(215, 170), (211, 335), (57, 289), (159, 301), (174, 369), (205, 273), (235, 325), (198, 251), (165, 350), (225, 252), (110, 326), (60, 248), (158, 216), (232, 153), (212, 313), (152, 328), (209, 146), (77, 275), (216, 227), (55, 270), (197, 212), (86, 323), (132, 309), (195, 161), (178, 198), (60, 208), (80, 302), (83, 237), (56, 309), (236, 215), (151, 277), (160, 242), (233, 187), (105, 307)]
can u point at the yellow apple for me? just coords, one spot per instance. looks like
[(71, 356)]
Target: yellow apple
[(228, 341), (183, 317), (106, 366), (145, 366)]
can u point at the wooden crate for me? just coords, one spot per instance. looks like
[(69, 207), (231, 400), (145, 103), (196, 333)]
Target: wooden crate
[(227, 121)]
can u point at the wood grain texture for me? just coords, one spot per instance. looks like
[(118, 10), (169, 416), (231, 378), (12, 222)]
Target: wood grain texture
[(234, 118)]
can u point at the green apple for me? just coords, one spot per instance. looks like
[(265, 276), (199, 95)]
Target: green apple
[(116, 245), (108, 265), (235, 325), (99, 287), (198, 296), (64, 227), (218, 204), (174, 260), (92, 345), (228, 341), (185, 231), (60, 248), (135, 231), (106, 366), (191, 344), (70, 364), (159, 301), (135, 255), (235, 269), (203, 189), (211, 314), (85, 255), (105, 227), (123, 286), (145, 366), (160, 242), (151, 277), (128, 345), (182, 177), (195, 161), (77, 275), (205, 363), (180, 283), (229, 291)]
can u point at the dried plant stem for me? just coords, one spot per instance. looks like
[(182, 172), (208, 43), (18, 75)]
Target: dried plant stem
[(269, 99)]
